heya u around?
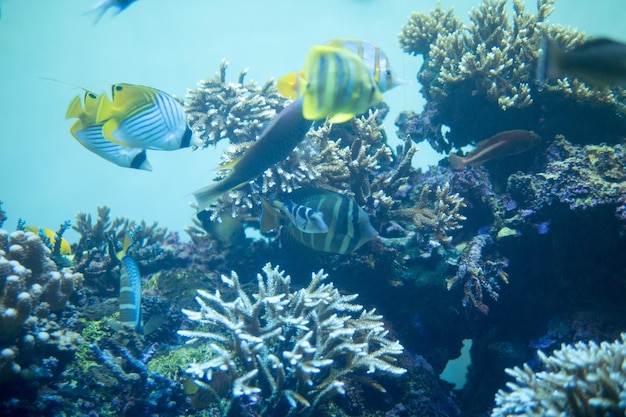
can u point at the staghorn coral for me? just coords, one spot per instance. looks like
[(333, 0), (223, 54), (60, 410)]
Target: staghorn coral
[(285, 352), (490, 64), (585, 379), (218, 110), (32, 291)]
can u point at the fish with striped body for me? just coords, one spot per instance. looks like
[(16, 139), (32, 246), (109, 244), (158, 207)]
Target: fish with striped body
[(277, 140), (292, 85), (374, 59), (338, 85), (348, 224), (144, 117), (130, 289), (302, 217), (89, 134), (507, 143)]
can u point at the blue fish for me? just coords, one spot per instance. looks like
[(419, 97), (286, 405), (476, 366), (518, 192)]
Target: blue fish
[(130, 289)]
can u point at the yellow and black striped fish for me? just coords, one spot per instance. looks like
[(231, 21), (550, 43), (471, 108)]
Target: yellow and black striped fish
[(89, 134), (144, 117), (338, 85), (275, 144), (349, 226), (130, 289)]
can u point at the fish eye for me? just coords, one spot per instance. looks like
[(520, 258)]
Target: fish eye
[(91, 95), (118, 88)]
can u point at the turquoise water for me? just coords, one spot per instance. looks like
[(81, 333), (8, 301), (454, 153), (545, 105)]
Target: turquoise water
[(47, 176)]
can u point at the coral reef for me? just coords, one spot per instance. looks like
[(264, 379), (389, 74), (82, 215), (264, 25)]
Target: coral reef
[(582, 177), (489, 65), (286, 352), (217, 109), (585, 379)]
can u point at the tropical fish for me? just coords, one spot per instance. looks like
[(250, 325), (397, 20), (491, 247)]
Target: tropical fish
[(89, 134), (348, 224), (103, 5), (130, 289), (227, 230), (277, 140), (507, 143), (302, 217), (66, 249), (374, 59), (339, 85), (598, 62), (144, 117)]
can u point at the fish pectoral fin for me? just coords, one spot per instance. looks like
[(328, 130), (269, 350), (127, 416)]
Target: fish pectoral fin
[(75, 109), (340, 117)]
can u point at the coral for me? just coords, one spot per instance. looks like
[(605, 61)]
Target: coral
[(489, 65), (585, 379), (218, 110), (582, 177), (32, 291), (480, 269), (285, 352)]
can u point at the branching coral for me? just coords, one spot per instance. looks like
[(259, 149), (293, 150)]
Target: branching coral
[(490, 64), (218, 110), (480, 269), (585, 379), (286, 352)]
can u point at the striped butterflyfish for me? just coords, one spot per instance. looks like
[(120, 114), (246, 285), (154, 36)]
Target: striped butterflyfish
[(292, 85), (338, 85), (374, 59), (274, 145), (144, 117), (348, 224), (89, 134), (130, 289)]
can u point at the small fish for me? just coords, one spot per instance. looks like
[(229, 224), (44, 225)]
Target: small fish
[(348, 224), (130, 289), (103, 5), (144, 117), (598, 62), (302, 217), (507, 143), (374, 59), (66, 249), (277, 140), (89, 134), (227, 230)]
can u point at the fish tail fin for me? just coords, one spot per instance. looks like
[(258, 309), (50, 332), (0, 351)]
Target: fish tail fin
[(550, 61), (457, 162), (269, 217), (207, 195), (75, 109)]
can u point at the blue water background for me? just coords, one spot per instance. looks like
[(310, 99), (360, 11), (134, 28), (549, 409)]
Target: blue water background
[(46, 177)]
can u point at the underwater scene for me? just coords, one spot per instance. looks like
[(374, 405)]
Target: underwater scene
[(347, 208)]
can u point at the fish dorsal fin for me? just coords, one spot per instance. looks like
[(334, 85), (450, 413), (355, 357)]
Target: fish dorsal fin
[(75, 109), (596, 43), (127, 243)]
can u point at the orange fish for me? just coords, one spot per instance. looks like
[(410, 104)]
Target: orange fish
[(507, 143)]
